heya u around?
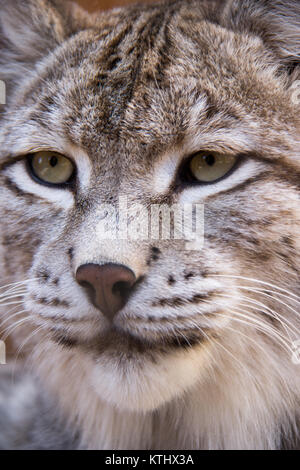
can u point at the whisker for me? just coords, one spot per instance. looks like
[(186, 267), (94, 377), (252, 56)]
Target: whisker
[(242, 366), (271, 314), (238, 332), (284, 322), (14, 296), (14, 284), (264, 326), (257, 281), (30, 356), (258, 323), (12, 290), (270, 296), (37, 351), (263, 307), (8, 331), (263, 290), (260, 327), (265, 353), (18, 302), (37, 330), (10, 318)]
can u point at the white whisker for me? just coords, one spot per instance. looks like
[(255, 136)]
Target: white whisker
[(266, 310), (19, 283), (257, 281), (270, 296), (11, 317), (18, 302), (37, 330), (260, 327), (14, 296), (8, 331), (242, 366)]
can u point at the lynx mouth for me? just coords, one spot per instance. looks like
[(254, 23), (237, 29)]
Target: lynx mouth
[(117, 341)]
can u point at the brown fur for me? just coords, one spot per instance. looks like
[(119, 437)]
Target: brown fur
[(201, 356)]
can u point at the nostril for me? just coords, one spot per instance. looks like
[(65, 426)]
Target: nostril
[(122, 288)]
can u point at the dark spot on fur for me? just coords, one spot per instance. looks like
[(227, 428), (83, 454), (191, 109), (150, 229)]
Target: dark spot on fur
[(189, 275), (178, 301), (171, 280), (71, 253), (43, 275), (287, 240), (267, 316), (155, 252), (211, 111), (10, 239), (51, 302), (198, 297), (113, 64), (59, 303), (63, 340), (100, 79), (174, 302), (205, 273)]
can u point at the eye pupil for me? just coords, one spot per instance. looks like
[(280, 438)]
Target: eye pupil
[(53, 161), (210, 160), (51, 168), (209, 167)]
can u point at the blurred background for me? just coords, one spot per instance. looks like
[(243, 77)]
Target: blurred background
[(94, 5)]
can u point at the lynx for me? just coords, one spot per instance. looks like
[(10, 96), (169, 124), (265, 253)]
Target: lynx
[(144, 343)]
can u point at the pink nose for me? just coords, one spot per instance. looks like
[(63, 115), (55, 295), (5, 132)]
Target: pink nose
[(107, 285)]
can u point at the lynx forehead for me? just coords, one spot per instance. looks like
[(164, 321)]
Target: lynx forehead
[(169, 104)]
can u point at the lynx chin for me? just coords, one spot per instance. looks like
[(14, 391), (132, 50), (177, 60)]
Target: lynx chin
[(145, 344)]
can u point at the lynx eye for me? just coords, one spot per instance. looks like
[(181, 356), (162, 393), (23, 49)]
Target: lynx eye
[(210, 167), (51, 168)]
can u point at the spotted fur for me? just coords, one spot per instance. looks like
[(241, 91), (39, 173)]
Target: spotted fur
[(201, 356)]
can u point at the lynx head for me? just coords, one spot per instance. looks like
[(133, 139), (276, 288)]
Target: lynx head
[(177, 103)]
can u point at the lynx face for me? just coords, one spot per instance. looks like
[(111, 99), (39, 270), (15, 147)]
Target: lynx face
[(119, 105)]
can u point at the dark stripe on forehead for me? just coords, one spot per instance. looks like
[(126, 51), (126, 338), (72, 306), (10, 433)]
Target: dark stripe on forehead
[(146, 37), (113, 46), (164, 51)]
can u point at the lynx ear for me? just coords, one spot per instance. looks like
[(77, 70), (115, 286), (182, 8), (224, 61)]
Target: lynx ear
[(277, 22), (29, 30)]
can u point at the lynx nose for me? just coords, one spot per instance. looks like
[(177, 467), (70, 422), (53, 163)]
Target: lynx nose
[(108, 285)]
